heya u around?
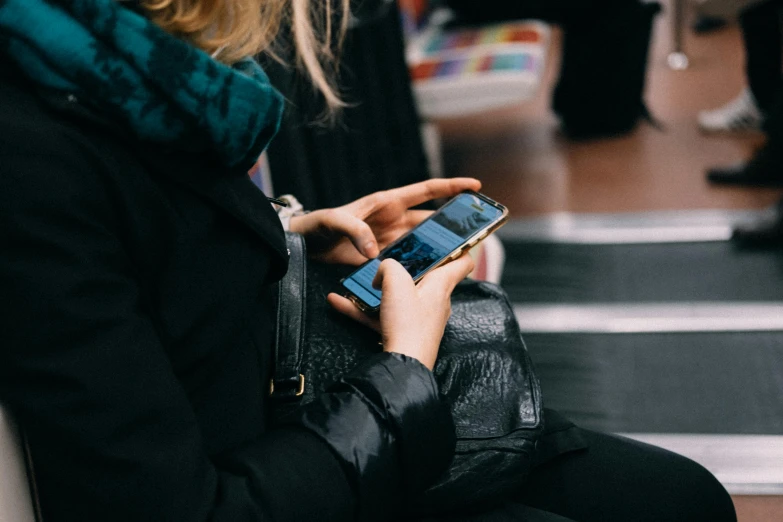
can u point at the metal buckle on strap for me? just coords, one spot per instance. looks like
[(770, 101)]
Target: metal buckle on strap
[(299, 388)]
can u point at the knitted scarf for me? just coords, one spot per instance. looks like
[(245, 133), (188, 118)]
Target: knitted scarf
[(159, 87)]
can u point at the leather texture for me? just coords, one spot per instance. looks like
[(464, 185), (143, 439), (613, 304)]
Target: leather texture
[(483, 372), (289, 340)]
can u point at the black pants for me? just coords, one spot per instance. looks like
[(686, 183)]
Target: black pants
[(763, 37), (587, 476), (620, 480), (761, 33)]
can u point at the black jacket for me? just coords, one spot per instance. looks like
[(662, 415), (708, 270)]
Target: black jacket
[(135, 340)]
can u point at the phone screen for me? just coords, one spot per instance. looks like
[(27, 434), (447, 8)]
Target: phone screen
[(429, 243)]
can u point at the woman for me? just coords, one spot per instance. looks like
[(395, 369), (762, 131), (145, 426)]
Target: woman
[(137, 264)]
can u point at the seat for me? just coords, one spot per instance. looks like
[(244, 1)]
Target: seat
[(16, 500), (465, 70)]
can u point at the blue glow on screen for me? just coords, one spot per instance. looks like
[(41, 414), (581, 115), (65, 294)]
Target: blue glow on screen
[(427, 244)]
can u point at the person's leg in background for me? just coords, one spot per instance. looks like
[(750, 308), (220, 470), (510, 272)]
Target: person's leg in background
[(763, 39), (619, 480), (761, 36), (599, 93), (556, 12), (767, 231), (765, 168), (704, 24)]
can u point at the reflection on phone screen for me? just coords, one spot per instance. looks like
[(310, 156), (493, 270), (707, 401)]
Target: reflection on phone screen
[(427, 244)]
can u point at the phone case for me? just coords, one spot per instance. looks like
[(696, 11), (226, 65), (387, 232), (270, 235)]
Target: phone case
[(456, 253)]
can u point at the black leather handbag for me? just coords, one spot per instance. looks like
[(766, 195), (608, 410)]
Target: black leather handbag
[(483, 371)]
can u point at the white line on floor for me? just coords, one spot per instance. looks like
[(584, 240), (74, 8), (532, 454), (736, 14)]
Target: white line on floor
[(650, 317), (744, 464), (630, 228)]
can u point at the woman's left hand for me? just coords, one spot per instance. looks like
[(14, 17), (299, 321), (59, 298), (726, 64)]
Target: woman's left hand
[(358, 231)]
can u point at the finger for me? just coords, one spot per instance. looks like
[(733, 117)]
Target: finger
[(449, 275), (348, 308), (392, 278), (419, 193), (350, 257), (355, 229), (343, 254), (414, 217)]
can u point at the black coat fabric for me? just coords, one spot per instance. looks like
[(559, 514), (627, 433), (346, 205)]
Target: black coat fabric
[(136, 334), (377, 144)]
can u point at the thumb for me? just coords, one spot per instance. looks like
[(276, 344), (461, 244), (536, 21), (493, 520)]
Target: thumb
[(391, 278), (450, 274)]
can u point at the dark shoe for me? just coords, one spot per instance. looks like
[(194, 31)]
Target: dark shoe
[(767, 231), (765, 169), (740, 174), (707, 24)]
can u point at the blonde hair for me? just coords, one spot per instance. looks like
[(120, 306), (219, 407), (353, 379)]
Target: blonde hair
[(234, 29)]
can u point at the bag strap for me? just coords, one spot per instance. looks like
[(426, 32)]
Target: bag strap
[(288, 382)]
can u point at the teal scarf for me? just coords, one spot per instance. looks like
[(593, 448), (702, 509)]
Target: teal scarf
[(161, 88)]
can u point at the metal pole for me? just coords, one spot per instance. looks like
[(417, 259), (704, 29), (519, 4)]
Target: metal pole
[(677, 59)]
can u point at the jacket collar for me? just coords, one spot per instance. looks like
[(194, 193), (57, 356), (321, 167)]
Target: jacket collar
[(229, 189), (233, 192)]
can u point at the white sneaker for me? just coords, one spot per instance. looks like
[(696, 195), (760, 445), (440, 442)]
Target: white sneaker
[(740, 114)]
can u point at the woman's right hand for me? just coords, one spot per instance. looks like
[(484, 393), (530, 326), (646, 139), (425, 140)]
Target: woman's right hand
[(412, 317)]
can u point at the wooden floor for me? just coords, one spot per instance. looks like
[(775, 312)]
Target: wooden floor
[(523, 161), (759, 509)]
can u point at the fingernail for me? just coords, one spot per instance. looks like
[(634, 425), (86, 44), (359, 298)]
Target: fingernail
[(369, 248)]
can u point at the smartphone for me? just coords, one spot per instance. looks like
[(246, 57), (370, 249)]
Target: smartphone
[(454, 228)]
